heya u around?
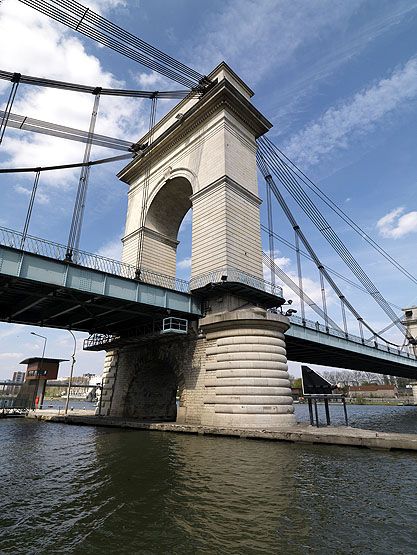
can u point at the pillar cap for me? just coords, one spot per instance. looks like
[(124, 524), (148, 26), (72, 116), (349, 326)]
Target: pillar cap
[(248, 317)]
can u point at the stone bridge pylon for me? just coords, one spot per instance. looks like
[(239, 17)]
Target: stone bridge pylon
[(231, 369)]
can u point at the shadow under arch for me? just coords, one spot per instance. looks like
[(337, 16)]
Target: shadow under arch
[(169, 206), (169, 202)]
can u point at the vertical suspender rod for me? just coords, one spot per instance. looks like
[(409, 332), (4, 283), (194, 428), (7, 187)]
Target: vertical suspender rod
[(30, 208), (9, 105), (78, 213)]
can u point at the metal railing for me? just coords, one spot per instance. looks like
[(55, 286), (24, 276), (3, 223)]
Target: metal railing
[(230, 274), (349, 337), (50, 249)]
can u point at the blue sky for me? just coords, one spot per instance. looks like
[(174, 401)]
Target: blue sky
[(338, 79)]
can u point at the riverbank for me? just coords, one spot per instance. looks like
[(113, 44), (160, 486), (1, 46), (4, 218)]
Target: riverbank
[(300, 433)]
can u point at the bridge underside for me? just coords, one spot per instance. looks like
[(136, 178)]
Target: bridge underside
[(40, 304), (38, 290), (41, 291)]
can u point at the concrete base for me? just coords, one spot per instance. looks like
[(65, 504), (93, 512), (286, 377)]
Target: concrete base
[(299, 433)]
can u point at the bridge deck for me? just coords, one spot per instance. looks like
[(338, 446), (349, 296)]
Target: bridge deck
[(98, 295), (312, 344), (39, 290)]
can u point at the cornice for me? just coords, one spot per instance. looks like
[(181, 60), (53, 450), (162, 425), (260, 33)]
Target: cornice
[(222, 96), (153, 235), (230, 184)]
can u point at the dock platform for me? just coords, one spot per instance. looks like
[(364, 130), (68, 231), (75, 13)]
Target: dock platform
[(300, 433)]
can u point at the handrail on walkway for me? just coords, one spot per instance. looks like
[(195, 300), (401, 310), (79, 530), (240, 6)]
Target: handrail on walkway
[(349, 337), (50, 249)]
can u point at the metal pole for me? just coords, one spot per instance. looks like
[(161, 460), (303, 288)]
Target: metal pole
[(345, 327), (71, 372), (326, 408), (345, 410), (316, 412), (310, 410)]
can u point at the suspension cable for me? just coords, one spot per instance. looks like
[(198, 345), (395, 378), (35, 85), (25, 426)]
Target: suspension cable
[(145, 190), (6, 114), (78, 213), (64, 85), (68, 166), (325, 229), (90, 24), (263, 166), (30, 208), (25, 123), (284, 277), (345, 217)]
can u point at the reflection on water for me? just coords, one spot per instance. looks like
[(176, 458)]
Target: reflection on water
[(68, 489)]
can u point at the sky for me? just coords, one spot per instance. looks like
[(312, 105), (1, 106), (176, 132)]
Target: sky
[(337, 79)]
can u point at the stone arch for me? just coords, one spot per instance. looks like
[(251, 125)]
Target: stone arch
[(167, 206), (152, 389)]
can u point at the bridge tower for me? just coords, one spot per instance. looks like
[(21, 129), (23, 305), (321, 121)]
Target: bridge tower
[(232, 371)]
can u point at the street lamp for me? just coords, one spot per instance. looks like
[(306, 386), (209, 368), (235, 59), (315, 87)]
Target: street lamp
[(44, 345), (71, 372)]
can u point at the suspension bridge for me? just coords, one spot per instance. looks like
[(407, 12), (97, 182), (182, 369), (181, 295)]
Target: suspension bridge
[(229, 360)]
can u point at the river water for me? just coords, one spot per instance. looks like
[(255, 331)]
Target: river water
[(86, 490)]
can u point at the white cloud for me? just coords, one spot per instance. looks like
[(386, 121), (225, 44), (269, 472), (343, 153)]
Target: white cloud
[(112, 249), (184, 264), (40, 198), (396, 224), (255, 36), (47, 49), (359, 115), (151, 81), (311, 287), (10, 355), (297, 89)]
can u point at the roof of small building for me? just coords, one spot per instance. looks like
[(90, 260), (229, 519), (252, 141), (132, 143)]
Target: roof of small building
[(44, 359)]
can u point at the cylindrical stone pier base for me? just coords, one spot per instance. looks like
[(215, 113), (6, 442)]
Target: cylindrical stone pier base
[(247, 383)]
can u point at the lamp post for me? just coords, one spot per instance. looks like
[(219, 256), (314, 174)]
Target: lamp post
[(71, 372), (44, 345), (45, 339)]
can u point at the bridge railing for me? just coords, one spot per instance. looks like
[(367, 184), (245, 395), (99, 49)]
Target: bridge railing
[(50, 249), (349, 337), (230, 274)]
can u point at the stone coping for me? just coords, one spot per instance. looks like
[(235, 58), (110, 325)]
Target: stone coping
[(299, 433)]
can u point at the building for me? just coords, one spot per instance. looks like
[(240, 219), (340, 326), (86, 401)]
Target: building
[(378, 391), (18, 377)]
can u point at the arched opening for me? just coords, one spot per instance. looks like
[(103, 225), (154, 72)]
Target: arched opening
[(166, 213), (184, 247), (153, 387), (169, 207)]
